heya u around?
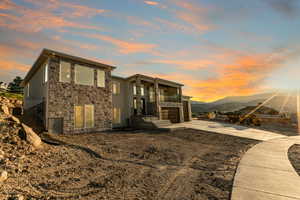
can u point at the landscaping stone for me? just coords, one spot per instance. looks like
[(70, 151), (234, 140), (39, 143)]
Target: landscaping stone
[(4, 176), (15, 119), (32, 137)]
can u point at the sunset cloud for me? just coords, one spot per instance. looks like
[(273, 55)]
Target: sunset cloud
[(124, 47), (152, 3)]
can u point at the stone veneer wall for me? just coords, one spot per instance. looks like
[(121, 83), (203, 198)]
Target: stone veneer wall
[(63, 97)]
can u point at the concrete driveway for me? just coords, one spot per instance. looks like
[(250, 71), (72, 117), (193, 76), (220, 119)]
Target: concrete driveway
[(229, 129)]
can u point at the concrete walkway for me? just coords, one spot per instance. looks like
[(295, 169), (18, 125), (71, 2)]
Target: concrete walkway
[(229, 129), (265, 172)]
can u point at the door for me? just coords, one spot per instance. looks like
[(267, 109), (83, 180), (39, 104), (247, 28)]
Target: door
[(55, 125), (170, 113)]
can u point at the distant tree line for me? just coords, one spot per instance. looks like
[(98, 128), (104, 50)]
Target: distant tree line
[(15, 85)]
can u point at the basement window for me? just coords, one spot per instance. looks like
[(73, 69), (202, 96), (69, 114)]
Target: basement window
[(116, 115), (84, 75), (79, 117), (65, 72), (84, 116)]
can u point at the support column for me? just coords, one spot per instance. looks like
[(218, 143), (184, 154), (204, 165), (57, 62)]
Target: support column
[(156, 91), (180, 94)]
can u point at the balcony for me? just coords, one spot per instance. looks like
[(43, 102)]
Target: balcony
[(169, 98)]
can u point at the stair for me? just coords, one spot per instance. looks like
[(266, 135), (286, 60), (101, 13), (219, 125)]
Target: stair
[(150, 122)]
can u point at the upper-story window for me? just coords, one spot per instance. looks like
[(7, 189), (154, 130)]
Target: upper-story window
[(142, 90), (134, 89), (100, 78), (116, 87), (64, 72), (46, 73), (84, 75)]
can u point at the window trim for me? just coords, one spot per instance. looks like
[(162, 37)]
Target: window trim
[(85, 114), (46, 75), (104, 78), (118, 87), (28, 90), (70, 70), (75, 74), (118, 119)]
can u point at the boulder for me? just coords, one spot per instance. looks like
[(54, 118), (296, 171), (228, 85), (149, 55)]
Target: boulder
[(32, 137), (5, 109), (3, 176), (15, 119)]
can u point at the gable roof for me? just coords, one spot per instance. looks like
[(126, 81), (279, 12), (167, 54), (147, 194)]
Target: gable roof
[(46, 53)]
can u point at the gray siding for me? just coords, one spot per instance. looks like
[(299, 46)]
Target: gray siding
[(121, 101), (37, 89)]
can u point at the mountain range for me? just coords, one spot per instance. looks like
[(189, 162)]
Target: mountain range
[(233, 103)]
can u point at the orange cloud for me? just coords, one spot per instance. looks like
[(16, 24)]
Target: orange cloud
[(152, 3), (34, 20), (125, 47), (194, 15), (8, 65)]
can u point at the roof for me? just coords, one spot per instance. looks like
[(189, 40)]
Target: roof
[(153, 78), (46, 53)]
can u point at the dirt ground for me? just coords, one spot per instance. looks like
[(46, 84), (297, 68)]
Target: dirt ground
[(294, 156), (180, 165)]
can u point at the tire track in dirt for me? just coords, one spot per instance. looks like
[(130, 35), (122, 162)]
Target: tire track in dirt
[(182, 171)]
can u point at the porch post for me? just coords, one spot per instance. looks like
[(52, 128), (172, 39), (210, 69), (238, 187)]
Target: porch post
[(156, 91)]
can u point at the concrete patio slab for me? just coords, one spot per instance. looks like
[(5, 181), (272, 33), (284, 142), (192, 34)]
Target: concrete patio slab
[(229, 129)]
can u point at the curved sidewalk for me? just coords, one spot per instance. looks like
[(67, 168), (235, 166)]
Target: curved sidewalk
[(265, 172)]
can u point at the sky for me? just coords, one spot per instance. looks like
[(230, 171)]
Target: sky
[(216, 48)]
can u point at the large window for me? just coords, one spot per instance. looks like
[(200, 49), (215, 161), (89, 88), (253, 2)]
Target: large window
[(116, 115), (79, 117), (116, 87), (84, 116), (84, 75), (89, 116), (134, 89), (151, 94), (100, 78), (142, 90), (65, 72)]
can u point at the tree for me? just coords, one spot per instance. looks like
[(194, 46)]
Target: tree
[(15, 85)]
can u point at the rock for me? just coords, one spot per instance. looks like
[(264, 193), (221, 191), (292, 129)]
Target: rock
[(32, 137), (15, 119), (5, 109), (20, 197), (2, 155), (3, 176)]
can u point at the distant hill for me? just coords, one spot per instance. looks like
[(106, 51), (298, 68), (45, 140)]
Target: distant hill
[(230, 104)]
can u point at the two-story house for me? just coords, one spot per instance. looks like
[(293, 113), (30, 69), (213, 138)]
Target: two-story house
[(76, 95)]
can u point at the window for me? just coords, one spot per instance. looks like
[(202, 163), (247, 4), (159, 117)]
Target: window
[(100, 78), (79, 117), (84, 116), (89, 116), (46, 73), (65, 72), (134, 89), (28, 90), (142, 90), (116, 87), (84, 75), (134, 103), (151, 94), (116, 115)]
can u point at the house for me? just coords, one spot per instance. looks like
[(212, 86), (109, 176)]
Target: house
[(3, 86), (76, 95)]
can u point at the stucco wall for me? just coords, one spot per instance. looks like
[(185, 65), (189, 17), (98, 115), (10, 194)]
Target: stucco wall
[(64, 96), (121, 101), (37, 89)]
